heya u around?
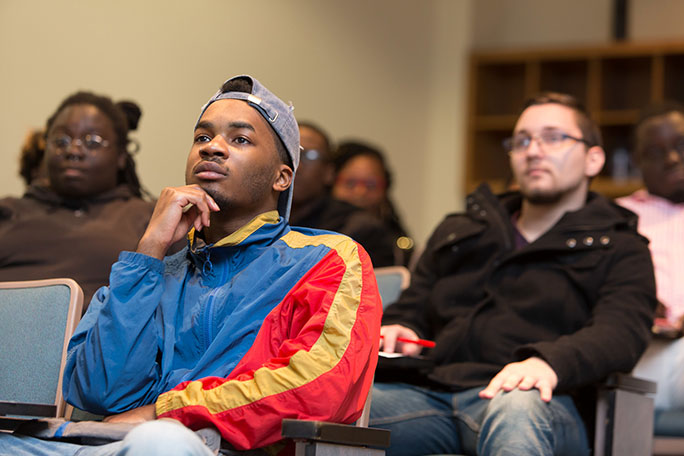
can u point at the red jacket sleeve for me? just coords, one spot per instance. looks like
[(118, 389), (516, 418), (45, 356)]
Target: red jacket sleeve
[(313, 358)]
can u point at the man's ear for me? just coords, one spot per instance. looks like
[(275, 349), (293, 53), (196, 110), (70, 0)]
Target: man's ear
[(594, 161), (283, 178)]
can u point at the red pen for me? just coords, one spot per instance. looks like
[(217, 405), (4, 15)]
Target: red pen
[(421, 342)]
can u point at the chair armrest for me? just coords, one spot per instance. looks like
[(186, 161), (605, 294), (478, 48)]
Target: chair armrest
[(27, 409), (629, 383), (343, 434), (624, 416), (84, 432)]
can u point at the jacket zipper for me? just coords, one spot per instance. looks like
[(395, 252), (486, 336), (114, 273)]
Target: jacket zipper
[(209, 310)]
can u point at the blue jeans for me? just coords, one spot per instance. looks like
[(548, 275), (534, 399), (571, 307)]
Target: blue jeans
[(516, 423), (161, 437)]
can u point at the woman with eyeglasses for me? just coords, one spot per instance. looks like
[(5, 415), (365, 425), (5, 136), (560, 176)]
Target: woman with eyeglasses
[(363, 179), (91, 207)]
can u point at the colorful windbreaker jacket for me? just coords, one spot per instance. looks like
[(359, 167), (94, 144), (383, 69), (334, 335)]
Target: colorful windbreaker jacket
[(268, 323)]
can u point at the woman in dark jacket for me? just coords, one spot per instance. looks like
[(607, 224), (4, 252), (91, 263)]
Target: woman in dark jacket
[(91, 207)]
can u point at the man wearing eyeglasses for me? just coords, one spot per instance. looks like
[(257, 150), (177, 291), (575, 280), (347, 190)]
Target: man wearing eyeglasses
[(530, 296)]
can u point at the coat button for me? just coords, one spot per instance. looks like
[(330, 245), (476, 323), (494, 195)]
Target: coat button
[(605, 240), (588, 241), (476, 207), (451, 236), (483, 213), (79, 213), (571, 242)]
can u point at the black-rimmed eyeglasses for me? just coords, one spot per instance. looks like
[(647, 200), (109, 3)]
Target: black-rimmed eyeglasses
[(550, 140)]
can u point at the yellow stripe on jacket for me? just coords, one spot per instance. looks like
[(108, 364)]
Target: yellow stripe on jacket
[(303, 366)]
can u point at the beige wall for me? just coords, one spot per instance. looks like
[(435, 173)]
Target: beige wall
[(651, 20), (546, 23), (389, 71), (536, 23)]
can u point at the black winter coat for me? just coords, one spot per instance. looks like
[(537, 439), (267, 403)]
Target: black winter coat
[(581, 296)]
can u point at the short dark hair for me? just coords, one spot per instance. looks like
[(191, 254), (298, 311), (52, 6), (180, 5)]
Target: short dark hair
[(590, 131), (124, 116), (650, 112), (351, 149), (657, 110), (244, 85)]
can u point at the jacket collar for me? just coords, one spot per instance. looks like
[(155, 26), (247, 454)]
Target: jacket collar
[(245, 235), (262, 230), (597, 214)]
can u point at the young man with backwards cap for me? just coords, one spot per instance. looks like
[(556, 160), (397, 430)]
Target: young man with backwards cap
[(253, 322)]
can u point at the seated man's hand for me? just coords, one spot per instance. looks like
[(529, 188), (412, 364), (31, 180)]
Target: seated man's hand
[(389, 343), (525, 375), (135, 416), (171, 219)]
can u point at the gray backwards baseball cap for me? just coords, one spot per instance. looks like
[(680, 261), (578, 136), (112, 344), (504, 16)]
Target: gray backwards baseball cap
[(278, 115)]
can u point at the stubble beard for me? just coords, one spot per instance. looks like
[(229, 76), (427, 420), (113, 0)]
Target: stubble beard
[(548, 197), (256, 185), (542, 197), (224, 203)]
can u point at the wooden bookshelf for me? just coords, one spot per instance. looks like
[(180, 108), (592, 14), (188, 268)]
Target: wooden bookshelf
[(613, 81)]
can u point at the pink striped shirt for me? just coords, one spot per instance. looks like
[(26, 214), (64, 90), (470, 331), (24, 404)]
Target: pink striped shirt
[(662, 222)]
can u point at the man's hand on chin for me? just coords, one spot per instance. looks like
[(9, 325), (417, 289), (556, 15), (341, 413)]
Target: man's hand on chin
[(135, 416)]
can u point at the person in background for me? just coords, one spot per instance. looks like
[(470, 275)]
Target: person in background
[(31, 164), (314, 207), (532, 297), (659, 153), (90, 208), (363, 179)]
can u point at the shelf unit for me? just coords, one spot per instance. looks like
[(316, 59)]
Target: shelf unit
[(614, 82)]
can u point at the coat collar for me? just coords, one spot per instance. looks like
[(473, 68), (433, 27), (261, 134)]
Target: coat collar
[(243, 236), (598, 213)]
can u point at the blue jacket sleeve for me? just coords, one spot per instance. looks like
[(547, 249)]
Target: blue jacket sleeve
[(112, 357)]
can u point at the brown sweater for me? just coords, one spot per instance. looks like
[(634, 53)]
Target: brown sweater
[(45, 236)]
